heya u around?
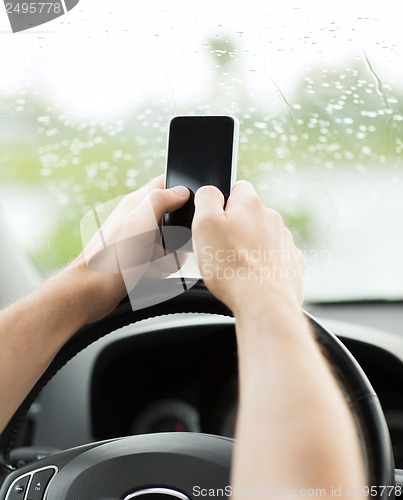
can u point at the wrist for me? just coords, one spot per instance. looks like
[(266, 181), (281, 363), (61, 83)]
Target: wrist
[(268, 317), (263, 299), (82, 295)]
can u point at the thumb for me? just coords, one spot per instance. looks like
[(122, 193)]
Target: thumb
[(168, 200)]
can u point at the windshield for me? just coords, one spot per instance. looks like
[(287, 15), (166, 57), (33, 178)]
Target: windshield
[(317, 87)]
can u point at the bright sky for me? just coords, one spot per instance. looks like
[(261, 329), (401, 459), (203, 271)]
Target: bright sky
[(102, 57)]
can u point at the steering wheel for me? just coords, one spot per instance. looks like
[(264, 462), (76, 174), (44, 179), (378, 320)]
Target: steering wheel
[(173, 464)]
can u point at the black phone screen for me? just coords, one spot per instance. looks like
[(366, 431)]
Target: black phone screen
[(200, 152)]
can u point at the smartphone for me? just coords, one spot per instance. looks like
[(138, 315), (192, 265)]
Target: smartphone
[(201, 150)]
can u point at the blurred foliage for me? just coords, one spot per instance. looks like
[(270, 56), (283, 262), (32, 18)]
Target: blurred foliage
[(337, 118)]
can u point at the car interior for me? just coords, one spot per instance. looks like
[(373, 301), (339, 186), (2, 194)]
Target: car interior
[(84, 115)]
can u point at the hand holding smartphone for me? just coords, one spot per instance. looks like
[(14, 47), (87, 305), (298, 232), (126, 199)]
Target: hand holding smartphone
[(202, 150)]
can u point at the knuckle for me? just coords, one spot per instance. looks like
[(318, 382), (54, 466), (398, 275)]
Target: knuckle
[(252, 201), (156, 194), (203, 222), (275, 217), (128, 200)]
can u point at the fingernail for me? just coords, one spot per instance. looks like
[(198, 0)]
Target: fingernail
[(181, 190)]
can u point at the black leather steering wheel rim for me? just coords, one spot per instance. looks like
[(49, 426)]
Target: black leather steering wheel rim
[(197, 299)]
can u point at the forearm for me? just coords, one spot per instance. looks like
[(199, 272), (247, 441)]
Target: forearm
[(294, 428), (293, 425), (33, 330)]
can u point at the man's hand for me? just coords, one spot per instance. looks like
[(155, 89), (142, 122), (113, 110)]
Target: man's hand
[(290, 405), (244, 249), (124, 250), (33, 330)]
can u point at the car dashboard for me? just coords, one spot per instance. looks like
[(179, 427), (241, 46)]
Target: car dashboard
[(179, 373)]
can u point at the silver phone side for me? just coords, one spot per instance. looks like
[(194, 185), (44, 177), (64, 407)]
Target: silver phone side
[(235, 145)]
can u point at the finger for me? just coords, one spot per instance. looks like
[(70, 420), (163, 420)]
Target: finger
[(242, 193), (145, 216), (132, 200), (209, 204), (156, 183), (167, 200)]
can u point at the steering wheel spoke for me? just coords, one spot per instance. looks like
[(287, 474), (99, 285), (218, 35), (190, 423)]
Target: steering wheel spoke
[(116, 469)]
